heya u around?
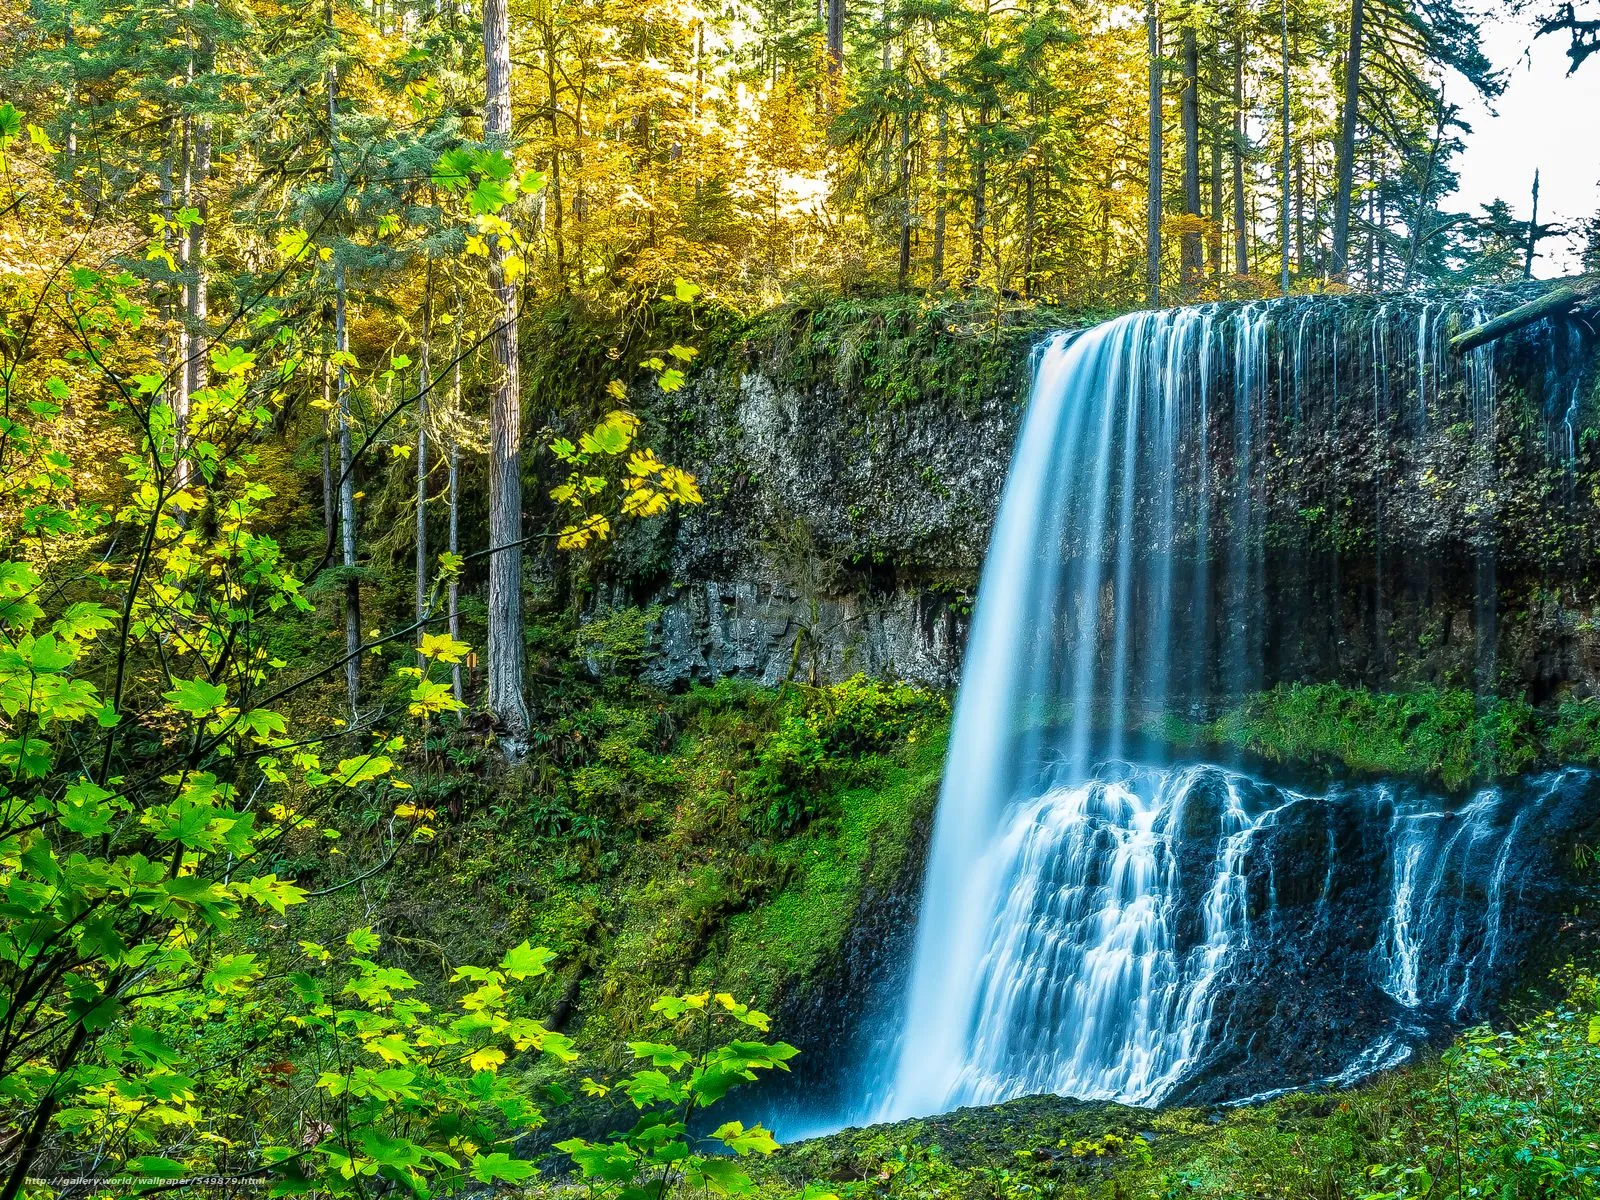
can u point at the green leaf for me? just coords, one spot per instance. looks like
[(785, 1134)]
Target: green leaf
[(271, 892), (742, 1141), (47, 655), (452, 173), (151, 1046), (684, 291), (486, 1168), (723, 1176), (84, 809), (388, 1151), (263, 723), (231, 973), (354, 771), (494, 164), (235, 360), (197, 697), (154, 1165), (10, 122), (661, 1055), (525, 962)]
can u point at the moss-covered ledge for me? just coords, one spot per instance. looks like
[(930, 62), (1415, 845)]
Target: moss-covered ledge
[(1447, 736)]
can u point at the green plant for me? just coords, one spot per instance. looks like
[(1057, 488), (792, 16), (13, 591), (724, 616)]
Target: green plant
[(657, 1155), (831, 731), (618, 642)]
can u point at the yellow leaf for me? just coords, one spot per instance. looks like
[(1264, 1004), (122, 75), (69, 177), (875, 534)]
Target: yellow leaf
[(486, 1059), (443, 647)]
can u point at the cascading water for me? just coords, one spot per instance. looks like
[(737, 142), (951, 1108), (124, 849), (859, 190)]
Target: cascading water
[(1101, 920)]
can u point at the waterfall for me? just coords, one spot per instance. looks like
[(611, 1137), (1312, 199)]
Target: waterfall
[(1099, 919)]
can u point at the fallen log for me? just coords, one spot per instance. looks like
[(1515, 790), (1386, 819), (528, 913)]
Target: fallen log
[(1558, 301)]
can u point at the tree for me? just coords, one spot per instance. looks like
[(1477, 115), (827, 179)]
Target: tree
[(1583, 32), (1152, 21), (505, 653), (1349, 115), (1192, 251)]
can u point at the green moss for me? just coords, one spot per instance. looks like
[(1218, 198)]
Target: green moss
[(633, 843), (1443, 734), (793, 935), (900, 349)]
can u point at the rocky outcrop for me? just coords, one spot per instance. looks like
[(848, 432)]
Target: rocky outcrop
[(842, 532), (852, 463)]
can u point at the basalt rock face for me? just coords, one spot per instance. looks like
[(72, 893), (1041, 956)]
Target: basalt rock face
[(1424, 518), (1381, 918), (841, 533)]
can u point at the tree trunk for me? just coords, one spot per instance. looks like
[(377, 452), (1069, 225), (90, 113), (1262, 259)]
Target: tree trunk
[(347, 481), (905, 197), (174, 301), (1241, 220), (941, 166), (1584, 290), (1214, 241), (1300, 209), (182, 376), (1345, 169), (1192, 251), (554, 199), (200, 180), (1283, 207), (835, 36), (1152, 21), (1419, 232), (980, 193), (424, 382), (455, 505), (505, 650), (1533, 231), (347, 503), (1030, 190), (330, 501)]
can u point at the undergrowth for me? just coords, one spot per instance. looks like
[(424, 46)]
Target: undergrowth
[(638, 843), (1443, 734)]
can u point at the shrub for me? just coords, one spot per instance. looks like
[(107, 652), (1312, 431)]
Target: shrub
[(817, 746)]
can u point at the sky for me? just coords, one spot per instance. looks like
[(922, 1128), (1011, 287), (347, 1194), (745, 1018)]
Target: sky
[(1545, 120)]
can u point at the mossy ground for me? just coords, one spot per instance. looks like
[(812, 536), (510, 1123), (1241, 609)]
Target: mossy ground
[(1512, 1115), (637, 843), (1445, 736), (727, 835)]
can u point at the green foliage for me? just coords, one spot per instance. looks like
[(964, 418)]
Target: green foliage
[(1446, 734), (620, 641), (821, 742), (900, 351), (655, 1157)]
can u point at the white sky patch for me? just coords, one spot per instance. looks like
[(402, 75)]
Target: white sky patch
[(1546, 120)]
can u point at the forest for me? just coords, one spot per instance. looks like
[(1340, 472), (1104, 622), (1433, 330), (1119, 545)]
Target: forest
[(869, 600)]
